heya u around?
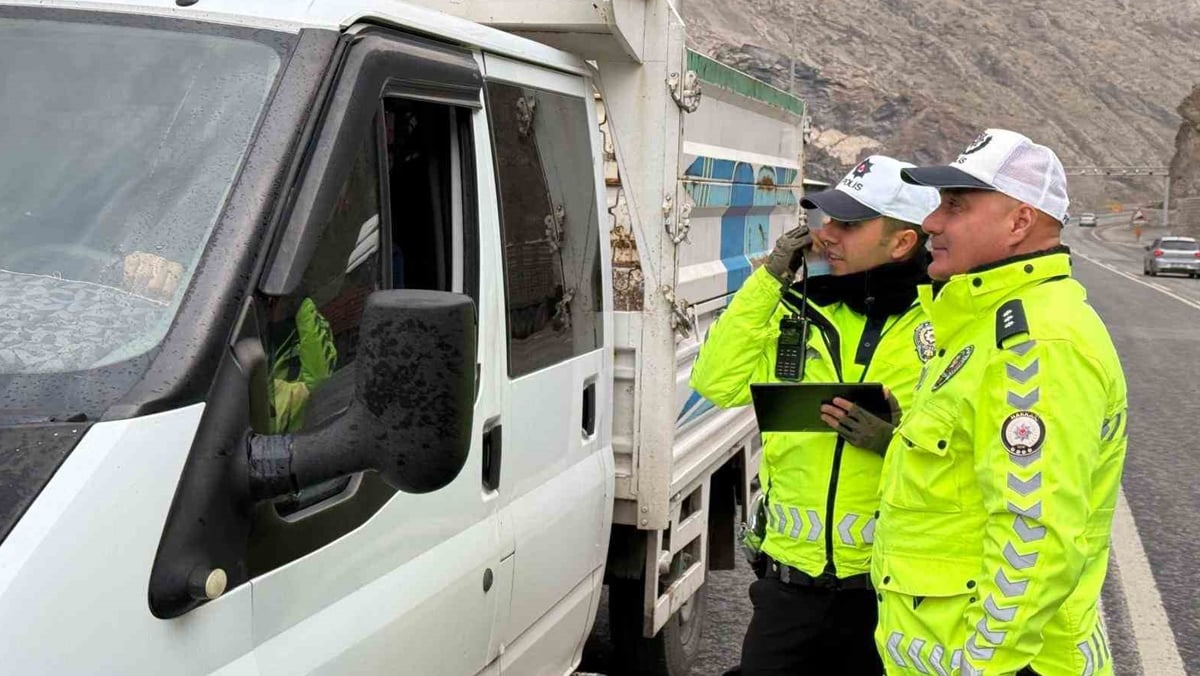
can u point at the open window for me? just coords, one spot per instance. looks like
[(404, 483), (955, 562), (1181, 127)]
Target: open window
[(391, 204)]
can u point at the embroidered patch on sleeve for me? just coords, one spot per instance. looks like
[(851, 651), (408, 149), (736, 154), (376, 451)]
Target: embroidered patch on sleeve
[(1023, 433)]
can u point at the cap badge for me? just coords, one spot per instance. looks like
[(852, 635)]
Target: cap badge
[(862, 169), (978, 144)]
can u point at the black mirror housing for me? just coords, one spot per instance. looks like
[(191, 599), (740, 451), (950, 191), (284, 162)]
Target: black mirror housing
[(412, 412)]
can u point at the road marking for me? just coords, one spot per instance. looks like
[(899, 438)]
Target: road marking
[(1157, 650), (1151, 630), (1149, 285)]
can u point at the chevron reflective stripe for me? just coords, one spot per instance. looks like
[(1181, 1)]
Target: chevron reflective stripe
[(1022, 375), (993, 637), (1089, 660), (1026, 460), (969, 670), (868, 534), (893, 644), (844, 527), (1019, 561), (1108, 433), (1024, 402), (1005, 614), (797, 523), (1034, 512), (956, 659), (914, 654), (1008, 587), (979, 653), (780, 520), (1024, 348), (1026, 532), (814, 521), (937, 658), (1099, 652), (1022, 487)]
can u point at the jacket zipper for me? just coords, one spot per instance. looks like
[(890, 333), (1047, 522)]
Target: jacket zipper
[(832, 340)]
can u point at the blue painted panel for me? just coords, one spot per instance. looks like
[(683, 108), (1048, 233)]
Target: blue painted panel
[(693, 408), (711, 167), (743, 186), (758, 230)]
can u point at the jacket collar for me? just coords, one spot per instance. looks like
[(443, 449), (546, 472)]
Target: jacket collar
[(960, 301), (884, 291)]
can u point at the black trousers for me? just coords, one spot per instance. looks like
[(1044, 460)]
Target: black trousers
[(799, 630)]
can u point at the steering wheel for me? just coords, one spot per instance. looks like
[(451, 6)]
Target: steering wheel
[(46, 258)]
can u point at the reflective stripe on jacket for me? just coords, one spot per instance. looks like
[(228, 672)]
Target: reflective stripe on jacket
[(822, 493), (1001, 481)]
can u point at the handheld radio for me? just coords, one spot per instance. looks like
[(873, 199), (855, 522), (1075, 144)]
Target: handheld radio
[(791, 349)]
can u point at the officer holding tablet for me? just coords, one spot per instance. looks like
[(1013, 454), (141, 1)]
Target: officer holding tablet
[(814, 609)]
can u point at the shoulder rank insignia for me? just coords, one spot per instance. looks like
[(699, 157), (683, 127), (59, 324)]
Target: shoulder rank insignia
[(924, 342), (1010, 321)]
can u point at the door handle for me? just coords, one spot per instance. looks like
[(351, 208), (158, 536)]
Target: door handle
[(492, 454), (589, 409)]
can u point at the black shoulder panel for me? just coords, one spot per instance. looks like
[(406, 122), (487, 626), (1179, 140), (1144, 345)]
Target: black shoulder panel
[(1010, 321)]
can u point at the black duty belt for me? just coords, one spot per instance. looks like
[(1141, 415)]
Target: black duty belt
[(789, 575)]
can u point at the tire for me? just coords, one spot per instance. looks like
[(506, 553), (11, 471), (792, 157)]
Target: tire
[(673, 651)]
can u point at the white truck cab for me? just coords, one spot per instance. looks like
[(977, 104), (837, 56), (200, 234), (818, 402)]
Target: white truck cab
[(314, 357)]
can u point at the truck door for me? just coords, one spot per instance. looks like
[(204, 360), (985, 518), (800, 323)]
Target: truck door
[(555, 477), (352, 577)]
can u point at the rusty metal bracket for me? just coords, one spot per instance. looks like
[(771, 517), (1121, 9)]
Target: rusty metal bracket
[(686, 90), (680, 321)]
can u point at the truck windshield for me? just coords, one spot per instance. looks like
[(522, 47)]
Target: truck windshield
[(120, 145)]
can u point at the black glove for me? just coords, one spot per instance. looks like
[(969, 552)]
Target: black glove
[(785, 258), (864, 429)]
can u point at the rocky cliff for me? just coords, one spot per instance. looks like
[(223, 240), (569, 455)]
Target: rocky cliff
[(1097, 80), (1185, 165)]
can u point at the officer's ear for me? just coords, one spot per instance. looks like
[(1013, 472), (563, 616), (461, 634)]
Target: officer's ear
[(1024, 220), (904, 240)]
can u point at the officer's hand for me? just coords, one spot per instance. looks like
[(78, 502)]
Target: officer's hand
[(784, 261), (861, 427)]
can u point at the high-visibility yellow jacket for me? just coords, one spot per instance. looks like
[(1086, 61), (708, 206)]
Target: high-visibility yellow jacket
[(1001, 480), (822, 493)]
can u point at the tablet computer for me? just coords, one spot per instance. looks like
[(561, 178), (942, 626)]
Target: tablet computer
[(796, 407)]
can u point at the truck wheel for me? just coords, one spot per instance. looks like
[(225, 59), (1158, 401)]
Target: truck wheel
[(672, 651)]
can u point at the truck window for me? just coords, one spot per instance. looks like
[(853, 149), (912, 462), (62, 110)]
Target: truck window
[(550, 225), (405, 218), (314, 333), (419, 160)]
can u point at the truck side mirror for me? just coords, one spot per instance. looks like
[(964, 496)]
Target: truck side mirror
[(411, 415)]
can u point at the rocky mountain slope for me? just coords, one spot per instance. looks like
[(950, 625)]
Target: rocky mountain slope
[(1185, 166), (1097, 80)]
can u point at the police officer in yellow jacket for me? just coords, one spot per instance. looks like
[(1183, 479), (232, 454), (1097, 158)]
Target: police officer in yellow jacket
[(999, 486), (814, 611)]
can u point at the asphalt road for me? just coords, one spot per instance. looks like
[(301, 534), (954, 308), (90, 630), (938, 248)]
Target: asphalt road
[(1151, 600)]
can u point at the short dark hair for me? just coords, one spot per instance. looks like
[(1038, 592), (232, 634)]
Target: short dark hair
[(893, 225)]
